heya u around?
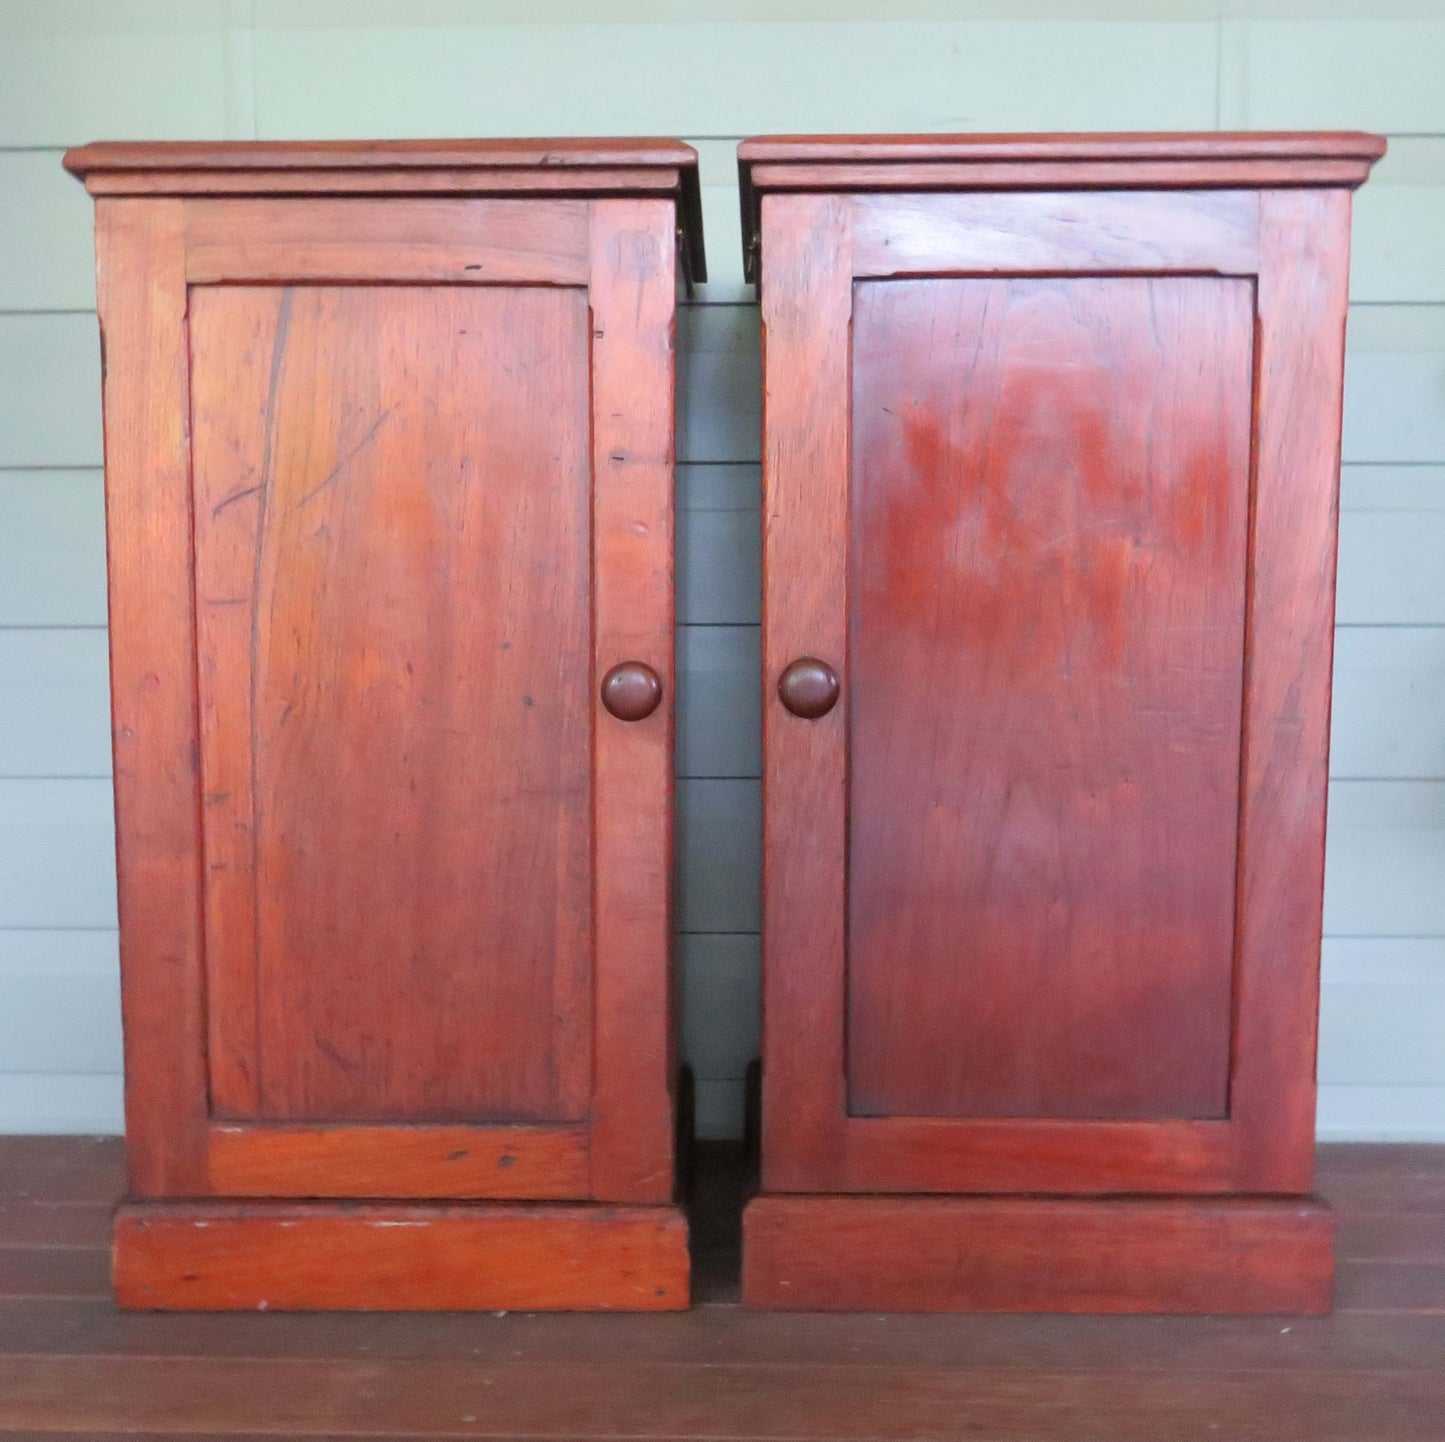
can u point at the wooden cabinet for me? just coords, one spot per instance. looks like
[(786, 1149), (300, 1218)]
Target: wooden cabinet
[(1051, 445), (389, 449)]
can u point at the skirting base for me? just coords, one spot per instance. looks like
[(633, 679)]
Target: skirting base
[(1038, 1254), (394, 1256)]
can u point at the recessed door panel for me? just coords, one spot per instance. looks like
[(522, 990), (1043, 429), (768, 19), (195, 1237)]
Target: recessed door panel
[(392, 532), (1049, 524)]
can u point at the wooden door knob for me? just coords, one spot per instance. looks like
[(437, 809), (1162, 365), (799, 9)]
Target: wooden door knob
[(809, 688), (631, 691)]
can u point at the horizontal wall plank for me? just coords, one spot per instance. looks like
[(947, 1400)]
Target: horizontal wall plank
[(57, 839), (308, 13), (1387, 960), (1394, 387), (1391, 571), (719, 841), (47, 258), (43, 1102), (53, 715), (721, 978), (54, 703), (1394, 248), (1384, 859), (732, 79), (1382, 1015), (1383, 1035), (719, 567), (92, 70), (1389, 681), (718, 1109), (1346, 74), (52, 548), (722, 229), (719, 384), (719, 723), (720, 546), (1365, 487), (724, 486), (1389, 701), (1394, 254), (49, 390), (47, 261), (59, 1002), (1380, 1114)]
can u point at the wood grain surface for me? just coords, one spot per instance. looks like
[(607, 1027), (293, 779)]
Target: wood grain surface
[(1048, 536), (378, 1257), (392, 585), (1038, 1254), (142, 299)]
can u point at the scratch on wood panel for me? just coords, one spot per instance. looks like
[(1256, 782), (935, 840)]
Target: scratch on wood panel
[(339, 468), (233, 498)]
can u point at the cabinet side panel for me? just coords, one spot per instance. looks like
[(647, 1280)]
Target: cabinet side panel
[(807, 310), (1304, 269), (632, 296), (142, 303), (1050, 493), (392, 499)]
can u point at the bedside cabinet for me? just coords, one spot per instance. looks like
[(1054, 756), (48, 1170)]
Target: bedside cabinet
[(389, 450), (1051, 445)]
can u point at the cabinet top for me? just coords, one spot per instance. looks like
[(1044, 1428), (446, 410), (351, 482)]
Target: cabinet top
[(1157, 161), (540, 168)]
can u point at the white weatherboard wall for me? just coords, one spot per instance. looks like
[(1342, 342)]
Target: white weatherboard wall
[(79, 70)]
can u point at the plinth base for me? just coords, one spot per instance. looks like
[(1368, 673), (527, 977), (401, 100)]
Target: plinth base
[(1038, 1254), (399, 1256)]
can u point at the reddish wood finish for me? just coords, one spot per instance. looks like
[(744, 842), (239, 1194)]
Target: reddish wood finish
[(390, 490), (535, 1163), (141, 295), (395, 754), (1049, 482), (995, 163), (1047, 645), (1003, 234), (578, 167), (354, 239), (632, 528), (1299, 380), (806, 317), (218, 1257), (983, 1254)]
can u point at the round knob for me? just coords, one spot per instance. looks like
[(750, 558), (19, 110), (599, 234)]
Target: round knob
[(809, 688), (631, 691)]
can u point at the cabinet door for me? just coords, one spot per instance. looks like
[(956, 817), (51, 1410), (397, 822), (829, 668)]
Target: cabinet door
[(1049, 483), (427, 511)]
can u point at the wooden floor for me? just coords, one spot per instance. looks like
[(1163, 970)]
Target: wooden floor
[(71, 1365)]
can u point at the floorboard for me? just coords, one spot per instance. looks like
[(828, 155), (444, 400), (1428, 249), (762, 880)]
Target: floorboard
[(71, 1366)]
